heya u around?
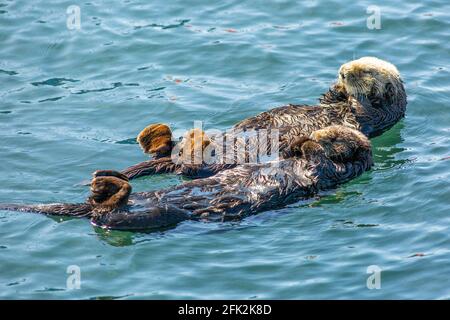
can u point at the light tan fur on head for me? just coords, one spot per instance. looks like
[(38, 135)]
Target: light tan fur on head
[(369, 76)]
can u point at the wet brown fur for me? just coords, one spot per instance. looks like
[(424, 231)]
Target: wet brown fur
[(156, 139)]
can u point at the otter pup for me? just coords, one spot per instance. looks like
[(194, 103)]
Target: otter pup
[(326, 158), (368, 96)]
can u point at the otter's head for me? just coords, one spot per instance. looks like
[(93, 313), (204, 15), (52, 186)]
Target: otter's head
[(370, 77)]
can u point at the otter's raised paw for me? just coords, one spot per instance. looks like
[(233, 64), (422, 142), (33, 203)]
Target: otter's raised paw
[(156, 140)]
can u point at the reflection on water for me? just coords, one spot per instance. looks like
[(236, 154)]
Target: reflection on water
[(386, 148), (114, 238), (336, 197), (118, 238)]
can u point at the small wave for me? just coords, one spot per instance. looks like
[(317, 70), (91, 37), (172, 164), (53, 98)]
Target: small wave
[(55, 82), (127, 141), (15, 283), (113, 86), (162, 26), (10, 73), (50, 290), (51, 99), (110, 297)]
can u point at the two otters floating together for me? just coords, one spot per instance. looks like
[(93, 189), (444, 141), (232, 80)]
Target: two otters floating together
[(321, 147)]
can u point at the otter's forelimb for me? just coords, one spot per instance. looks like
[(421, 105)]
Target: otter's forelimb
[(150, 167)]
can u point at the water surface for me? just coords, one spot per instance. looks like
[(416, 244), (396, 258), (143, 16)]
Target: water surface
[(73, 101)]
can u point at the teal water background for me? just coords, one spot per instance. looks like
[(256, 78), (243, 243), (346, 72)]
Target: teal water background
[(72, 101)]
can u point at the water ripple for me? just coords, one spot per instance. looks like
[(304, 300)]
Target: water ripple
[(53, 82)]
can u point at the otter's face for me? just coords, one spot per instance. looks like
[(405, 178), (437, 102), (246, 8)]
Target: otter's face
[(368, 76)]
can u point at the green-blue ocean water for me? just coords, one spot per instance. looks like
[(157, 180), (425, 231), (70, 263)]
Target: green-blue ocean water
[(73, 101)]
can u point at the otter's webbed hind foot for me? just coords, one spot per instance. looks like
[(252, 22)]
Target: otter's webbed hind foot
[(109, 173), (109, 190), (156, 140)]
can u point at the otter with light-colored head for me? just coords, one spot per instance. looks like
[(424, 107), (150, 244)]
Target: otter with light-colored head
[(368, 96), (371, 78)]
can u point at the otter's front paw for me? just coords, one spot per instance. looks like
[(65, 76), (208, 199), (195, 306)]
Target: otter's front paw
[(109, 193)]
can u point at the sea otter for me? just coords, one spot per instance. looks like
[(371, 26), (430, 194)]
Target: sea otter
[(324, 159), (368, 96)]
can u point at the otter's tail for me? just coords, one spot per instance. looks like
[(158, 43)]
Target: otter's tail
[(57, 209)]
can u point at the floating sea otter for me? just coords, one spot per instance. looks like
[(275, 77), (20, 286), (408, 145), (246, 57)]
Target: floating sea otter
[(320, 161), (368, 96)]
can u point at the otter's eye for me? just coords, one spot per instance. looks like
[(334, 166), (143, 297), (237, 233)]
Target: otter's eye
[(342, 75)]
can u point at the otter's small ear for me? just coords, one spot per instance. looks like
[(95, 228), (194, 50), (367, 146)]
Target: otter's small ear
[(156, 140)]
